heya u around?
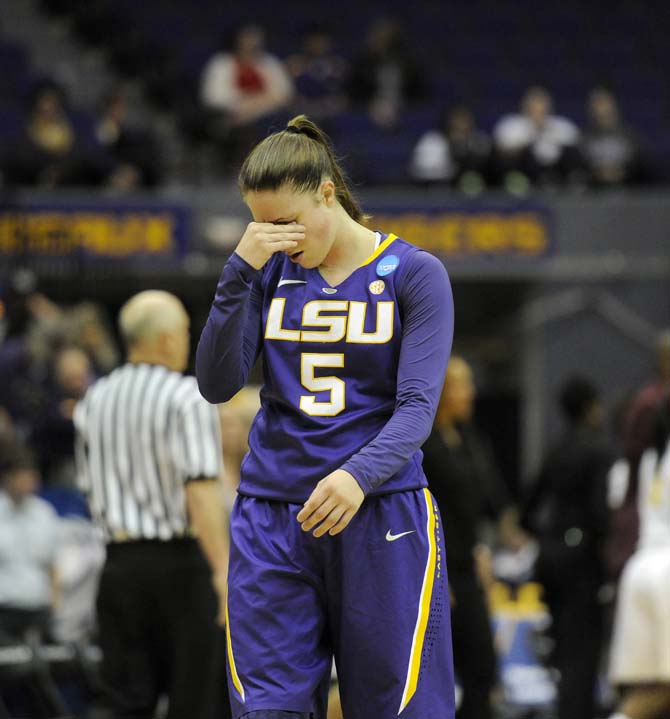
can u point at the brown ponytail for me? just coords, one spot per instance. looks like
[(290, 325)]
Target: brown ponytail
[(300, 156)]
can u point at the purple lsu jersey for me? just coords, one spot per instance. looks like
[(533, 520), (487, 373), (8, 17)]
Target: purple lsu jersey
[(330, 365)]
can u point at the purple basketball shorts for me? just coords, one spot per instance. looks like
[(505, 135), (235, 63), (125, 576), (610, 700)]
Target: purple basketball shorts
[(375, 597)]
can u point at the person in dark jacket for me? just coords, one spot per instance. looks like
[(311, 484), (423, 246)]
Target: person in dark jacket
[(567, 511), (464, 480)]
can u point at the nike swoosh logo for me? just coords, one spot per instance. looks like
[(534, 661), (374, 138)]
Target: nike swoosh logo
[(392, 537), (291, 282)]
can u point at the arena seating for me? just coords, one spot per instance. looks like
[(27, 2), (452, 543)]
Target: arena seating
[(482, 52)]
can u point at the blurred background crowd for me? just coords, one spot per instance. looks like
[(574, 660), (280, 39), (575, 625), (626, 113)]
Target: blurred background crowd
[(569, 528), (469, 95), (562, 362)]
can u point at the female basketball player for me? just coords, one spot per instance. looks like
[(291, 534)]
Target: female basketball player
[(640, 651), (336, 544)]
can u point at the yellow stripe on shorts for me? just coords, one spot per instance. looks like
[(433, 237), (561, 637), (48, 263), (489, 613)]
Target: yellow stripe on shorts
[(231, 659), (424, 608)]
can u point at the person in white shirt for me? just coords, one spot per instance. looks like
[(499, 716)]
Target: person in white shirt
[(28, 545), (535, 142), (239, 87), (455, 152), (29, 588)]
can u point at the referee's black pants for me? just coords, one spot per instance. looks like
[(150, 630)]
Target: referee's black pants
[(157, 630)]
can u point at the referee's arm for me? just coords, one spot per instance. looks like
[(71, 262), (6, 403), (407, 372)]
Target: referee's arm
[(204, 501), (203, 468)]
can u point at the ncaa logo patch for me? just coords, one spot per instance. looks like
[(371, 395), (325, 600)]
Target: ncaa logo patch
[(387, 265), (377, 287)]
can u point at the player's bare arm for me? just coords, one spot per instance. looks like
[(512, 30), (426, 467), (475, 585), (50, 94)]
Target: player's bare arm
[(262, 239), (332, 505)]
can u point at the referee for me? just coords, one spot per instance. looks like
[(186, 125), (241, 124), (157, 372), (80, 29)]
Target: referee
[(149, 460)]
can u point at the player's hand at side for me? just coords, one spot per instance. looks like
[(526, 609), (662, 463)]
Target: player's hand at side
[(332, 504), (262, 239), (220, 582)]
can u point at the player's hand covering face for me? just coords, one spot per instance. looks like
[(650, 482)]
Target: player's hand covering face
[(301, 224), (332, 505), (262, 239)]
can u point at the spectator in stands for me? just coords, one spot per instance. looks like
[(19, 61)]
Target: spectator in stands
[(81, 554), (36, 331), (386, 78), (133, 152), (567, 512), (536, 146), (53, 430), (610, 148), (49, 153), (456, 153), (319, 74), (28, 545), (87, 326), (463, 478), (29, 584), (7, 429), (32, 334), (239, 87)]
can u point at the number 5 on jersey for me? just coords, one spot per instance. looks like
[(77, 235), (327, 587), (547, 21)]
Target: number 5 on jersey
[(334, 385)]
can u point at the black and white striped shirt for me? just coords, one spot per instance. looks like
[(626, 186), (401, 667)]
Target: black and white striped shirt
[(142, 433)]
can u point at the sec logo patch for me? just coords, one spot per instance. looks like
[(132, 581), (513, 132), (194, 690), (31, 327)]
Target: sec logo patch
[(377, 287)]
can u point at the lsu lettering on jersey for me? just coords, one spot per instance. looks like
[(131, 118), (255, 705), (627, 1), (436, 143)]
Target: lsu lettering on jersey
[(330, 362)]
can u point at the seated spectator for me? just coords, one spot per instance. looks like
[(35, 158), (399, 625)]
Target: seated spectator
[(53, 432), (319, 75), (49, 152), (29, 585), (385, 78), (241, 86), (133, 152), (455, 153), (535, 146), (610, 148), (7, 428), (32, 333), (86, 325), (81, 553), (28, 545), (35, 331)]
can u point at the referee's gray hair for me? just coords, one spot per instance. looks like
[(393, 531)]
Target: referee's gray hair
[(147, 314)]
